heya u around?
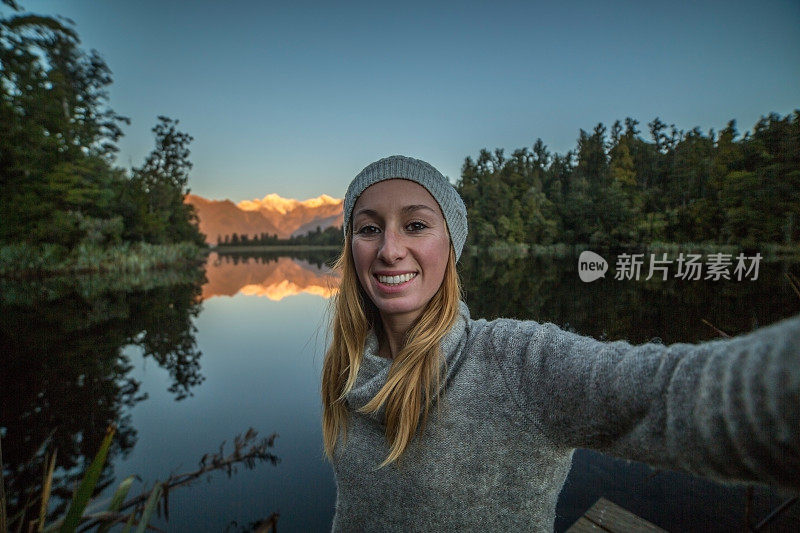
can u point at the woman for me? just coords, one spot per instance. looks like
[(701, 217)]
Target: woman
[(434, 421)]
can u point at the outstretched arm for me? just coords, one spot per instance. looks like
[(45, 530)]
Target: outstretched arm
[(726, 409)]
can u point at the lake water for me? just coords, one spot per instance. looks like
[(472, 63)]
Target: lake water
[(184, 361)]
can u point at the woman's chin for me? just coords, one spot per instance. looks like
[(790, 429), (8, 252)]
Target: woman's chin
[(397, 308)]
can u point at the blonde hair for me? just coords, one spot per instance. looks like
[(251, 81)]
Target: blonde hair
[(414, 378)]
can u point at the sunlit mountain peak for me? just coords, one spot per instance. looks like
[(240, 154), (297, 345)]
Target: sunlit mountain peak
[(321, 200), (271, 214), (274, 202)]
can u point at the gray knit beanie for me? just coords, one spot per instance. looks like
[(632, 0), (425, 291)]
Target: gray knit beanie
[(408, 168)]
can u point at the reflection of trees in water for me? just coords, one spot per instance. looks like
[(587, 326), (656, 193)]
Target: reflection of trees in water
[(166, 331), (63, 374), (548, 289), (322, 259)]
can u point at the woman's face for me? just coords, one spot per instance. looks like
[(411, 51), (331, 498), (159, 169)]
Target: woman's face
[(400, 247)]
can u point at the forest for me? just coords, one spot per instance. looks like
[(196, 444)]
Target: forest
[(62, 197), (64, 201), (618, 189), (330, 236)]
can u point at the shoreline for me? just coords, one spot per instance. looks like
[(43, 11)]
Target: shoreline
[(25, 262), (769, 251), (276, 248), (21, 261)]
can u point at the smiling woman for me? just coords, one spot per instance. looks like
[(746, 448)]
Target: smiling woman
[(400, 248), (514, 398)]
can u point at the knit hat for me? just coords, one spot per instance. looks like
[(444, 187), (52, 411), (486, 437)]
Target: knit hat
[(408, 168)]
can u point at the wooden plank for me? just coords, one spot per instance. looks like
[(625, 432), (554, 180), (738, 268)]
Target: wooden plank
[(584, 525), (786, 520), (607, 516)]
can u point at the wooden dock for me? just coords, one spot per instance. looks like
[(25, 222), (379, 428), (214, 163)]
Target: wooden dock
[(607, 517)]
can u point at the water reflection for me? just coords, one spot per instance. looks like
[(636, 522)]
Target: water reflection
[(548, 289), (67, 348), (269, 275), (64, 376)]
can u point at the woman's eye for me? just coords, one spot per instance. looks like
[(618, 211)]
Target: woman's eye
[(367, 230), (417, 226)]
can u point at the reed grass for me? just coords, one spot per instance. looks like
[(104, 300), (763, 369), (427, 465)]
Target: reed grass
[(248, 451), (21, 260)]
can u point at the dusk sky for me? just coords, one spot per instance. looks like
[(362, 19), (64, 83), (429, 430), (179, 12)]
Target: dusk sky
[(296, 98)]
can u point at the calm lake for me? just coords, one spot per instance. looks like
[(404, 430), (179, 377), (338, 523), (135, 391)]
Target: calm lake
[(184, 361)]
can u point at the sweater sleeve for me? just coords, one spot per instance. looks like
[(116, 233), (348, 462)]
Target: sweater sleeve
[(726, 409)]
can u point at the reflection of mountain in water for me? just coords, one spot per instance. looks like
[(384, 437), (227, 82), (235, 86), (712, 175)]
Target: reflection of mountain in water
[(268, 276)]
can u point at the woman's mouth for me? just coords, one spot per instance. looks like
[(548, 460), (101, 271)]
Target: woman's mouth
[(394, 281)]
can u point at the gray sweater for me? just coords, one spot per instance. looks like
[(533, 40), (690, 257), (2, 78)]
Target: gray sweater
[(520, 396)]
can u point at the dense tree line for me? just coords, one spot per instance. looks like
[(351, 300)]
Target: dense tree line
[(616, 188), (58, 181), (330, 236)]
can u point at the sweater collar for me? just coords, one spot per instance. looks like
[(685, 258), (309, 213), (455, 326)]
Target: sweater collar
[(375, 369)]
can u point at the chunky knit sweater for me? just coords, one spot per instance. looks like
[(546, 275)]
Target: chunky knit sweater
[(519, 397)]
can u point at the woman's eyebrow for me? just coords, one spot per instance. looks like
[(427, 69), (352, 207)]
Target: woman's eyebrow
[(405, 210), (411, 208), (365, 211)]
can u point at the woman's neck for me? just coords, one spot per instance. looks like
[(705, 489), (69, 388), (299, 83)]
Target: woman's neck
[(393, 338)]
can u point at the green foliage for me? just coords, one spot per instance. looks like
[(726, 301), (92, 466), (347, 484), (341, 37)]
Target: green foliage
[(58, 185), (117, 500), (330, 236), (59, 133), (149, 508), (82, 495), (86, 487), (247, 451), (152, 200), (621, 190), (24, 260)]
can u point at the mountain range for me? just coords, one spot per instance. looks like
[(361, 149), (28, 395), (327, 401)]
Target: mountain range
[(271, 214), (275, 279)]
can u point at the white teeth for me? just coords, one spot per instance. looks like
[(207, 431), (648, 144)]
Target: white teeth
[(394, 280)]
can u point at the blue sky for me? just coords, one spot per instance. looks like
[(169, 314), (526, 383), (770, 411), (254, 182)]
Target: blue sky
[(296, 97)]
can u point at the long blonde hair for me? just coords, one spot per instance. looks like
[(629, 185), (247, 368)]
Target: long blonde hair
[(414, 378)]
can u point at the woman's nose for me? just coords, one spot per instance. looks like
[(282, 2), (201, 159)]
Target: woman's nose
[(392, 248)]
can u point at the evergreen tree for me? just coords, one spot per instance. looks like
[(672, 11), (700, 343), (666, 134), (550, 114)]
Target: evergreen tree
[(58, 134), (57, 179), (154, 197), (679, 187)]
